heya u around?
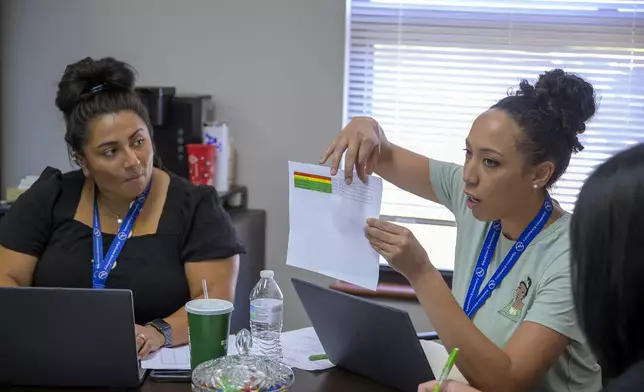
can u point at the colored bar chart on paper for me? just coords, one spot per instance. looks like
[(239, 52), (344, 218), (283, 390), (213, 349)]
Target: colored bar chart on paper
[(327, 217), (312, 182)]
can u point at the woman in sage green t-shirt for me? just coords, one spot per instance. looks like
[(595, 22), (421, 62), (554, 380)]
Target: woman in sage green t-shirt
[(510, 310)]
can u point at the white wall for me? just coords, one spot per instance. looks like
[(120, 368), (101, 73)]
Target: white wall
[(275, 69)]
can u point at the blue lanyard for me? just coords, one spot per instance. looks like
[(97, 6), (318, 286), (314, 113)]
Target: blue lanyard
[(102, 267), (475, 299)]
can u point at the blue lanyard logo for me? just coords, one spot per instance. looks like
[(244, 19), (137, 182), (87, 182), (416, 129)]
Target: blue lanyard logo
[(476, 297), (102, 267)]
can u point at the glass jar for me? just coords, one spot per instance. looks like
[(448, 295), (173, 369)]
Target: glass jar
[(242, 372)]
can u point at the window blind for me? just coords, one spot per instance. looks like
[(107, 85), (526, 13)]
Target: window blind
[(426, 69)]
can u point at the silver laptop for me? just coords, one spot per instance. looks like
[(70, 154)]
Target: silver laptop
[(373, 340), (59, 337)]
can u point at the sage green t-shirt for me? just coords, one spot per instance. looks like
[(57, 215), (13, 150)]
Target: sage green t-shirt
[(537, 289)]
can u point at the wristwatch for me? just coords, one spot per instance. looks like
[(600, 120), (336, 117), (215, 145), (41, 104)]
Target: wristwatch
[(164, 328)]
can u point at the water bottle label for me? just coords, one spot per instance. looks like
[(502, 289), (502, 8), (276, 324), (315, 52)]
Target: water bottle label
[(266, 314)]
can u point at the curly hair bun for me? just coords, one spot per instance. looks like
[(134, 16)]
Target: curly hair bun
[(567, 96), (84, 76)]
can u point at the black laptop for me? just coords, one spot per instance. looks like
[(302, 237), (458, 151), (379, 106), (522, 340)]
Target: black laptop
[(373, 340), (58, 337)]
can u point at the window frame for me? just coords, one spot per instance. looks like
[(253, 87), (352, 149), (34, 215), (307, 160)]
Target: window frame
[(388, 275)]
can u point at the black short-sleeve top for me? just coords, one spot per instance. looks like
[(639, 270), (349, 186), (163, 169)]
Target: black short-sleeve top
[(193, 227)]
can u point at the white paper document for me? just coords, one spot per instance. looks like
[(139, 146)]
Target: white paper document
[(327, 218), (437, 357), (297, 347), (176, 358)]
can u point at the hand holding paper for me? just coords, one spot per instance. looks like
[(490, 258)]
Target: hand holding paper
[(399, 246), (327, 218), (362, 139)]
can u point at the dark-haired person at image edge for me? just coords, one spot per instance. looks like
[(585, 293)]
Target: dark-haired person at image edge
[(510, 310), (174, 234), (607, 244)]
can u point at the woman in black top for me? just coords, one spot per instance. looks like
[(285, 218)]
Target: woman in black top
[(607, 251), (607, 247), (173, 234)]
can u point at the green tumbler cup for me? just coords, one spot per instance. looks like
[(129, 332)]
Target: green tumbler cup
[(208, 329)]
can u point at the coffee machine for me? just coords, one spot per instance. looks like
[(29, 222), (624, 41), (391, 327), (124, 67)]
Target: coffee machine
[(177, 120)]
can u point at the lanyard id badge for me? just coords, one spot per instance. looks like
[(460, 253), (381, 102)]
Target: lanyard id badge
[(476, 296), (102, 267)]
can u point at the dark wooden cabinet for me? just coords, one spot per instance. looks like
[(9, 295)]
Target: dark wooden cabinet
[(3, 209), (251, 230)]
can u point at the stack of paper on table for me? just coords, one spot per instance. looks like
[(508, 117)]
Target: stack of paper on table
[(297, 346), (327, 219), (175, 358)]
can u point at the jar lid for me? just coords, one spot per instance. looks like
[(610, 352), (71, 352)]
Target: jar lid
[(242, 372)]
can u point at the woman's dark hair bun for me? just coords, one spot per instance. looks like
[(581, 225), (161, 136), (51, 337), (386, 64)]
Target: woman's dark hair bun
[(88, 77), (551, 114), (566, 95), (90, 89)]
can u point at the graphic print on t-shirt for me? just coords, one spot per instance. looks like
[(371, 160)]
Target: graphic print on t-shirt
[(514, 309)]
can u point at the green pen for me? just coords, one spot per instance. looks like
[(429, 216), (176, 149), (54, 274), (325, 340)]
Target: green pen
[(318, 357), (446, 369)]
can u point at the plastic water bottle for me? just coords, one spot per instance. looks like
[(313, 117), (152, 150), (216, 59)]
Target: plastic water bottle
[(266, 317)]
